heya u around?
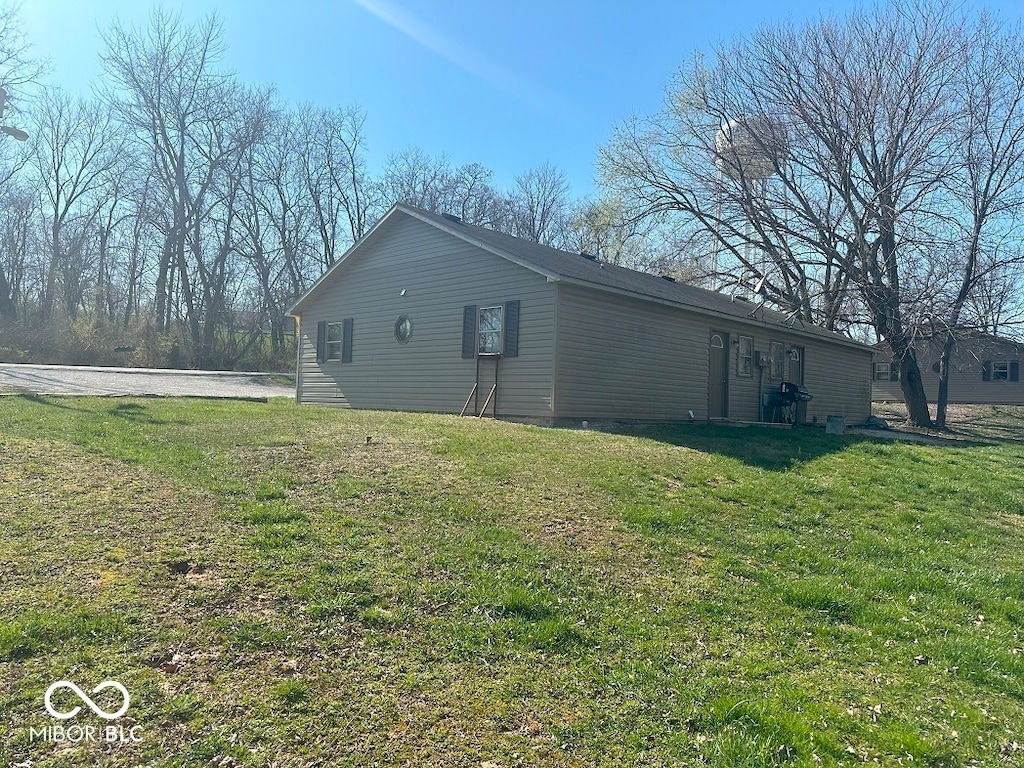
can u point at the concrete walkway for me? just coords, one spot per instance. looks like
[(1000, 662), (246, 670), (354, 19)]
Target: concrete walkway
[(90, 380)]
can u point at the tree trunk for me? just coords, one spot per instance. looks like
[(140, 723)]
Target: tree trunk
[(50, 288), (8, 310), (162, 297), (913, 390), (943, 397)]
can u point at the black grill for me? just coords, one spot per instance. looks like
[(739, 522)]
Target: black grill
[(790, 393)]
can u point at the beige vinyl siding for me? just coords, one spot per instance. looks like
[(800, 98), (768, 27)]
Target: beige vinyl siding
[(965, 384), (743, 389), (839, 378), (886, 390), (440, 275), (619, 358)]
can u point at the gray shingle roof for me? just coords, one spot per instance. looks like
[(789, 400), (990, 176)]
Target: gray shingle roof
[(564, 265)]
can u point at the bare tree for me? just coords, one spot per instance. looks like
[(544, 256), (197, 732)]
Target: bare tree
[(470, 194), (279, 222), (415, 178), (996, 305), (601, 227), (18, 209), (17, 66), (165, 89), (193, 122), (73, 155), (986, 189), (18, 71), (816, 163), (332, 153), (540, 205)]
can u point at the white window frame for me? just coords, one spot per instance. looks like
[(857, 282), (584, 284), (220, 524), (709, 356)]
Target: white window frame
[(333, 346), (490, 340), (745, 356), (777, 356), (1000, 370), (886, 375)]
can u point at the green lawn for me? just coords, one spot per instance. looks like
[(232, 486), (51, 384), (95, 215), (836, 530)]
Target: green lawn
[(285, 586)]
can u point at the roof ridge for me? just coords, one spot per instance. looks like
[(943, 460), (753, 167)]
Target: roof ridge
[(514, 247), (559, 265)]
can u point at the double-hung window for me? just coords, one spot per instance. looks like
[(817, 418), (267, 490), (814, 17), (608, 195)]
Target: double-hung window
[(778, 358), (1000, 370), (745, 356), (335, 339), (489, 332)]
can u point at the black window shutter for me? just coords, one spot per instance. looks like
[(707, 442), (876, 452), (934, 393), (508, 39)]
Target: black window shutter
[(511, 329), (346, 341), (321, 341), (1014, 370), (469, 332), (986, 371), (894, 371)]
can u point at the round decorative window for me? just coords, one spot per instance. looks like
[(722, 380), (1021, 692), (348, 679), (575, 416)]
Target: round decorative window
[(403, 329)]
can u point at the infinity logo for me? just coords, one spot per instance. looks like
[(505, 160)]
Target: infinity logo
[(86, 700)]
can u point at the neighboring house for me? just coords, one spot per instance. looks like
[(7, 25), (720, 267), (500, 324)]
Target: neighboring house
[(983, 369), (426, 313)]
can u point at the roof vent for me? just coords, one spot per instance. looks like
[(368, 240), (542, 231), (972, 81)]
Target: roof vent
[(588, 256), (669, 278), (452, 217)]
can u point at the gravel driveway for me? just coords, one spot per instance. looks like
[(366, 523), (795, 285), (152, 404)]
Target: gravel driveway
[(89, 380)]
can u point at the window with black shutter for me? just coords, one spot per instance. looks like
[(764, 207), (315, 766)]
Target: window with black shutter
[(334, 341), (346, 341), (986, 371), (511, 329), (321, 341), (1014, 370), (469, 332)]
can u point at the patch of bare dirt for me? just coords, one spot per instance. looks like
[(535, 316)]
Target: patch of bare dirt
[(965, 423)]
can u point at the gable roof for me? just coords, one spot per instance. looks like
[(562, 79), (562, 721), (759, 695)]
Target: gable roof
[(969, 342), (562, 266)]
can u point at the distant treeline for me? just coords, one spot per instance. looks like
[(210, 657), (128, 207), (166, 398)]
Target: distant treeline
[(173, 218)]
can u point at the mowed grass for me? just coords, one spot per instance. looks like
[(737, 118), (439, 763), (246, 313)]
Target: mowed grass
[(286, 586)]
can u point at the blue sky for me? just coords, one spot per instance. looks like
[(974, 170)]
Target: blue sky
[(507, 84)]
